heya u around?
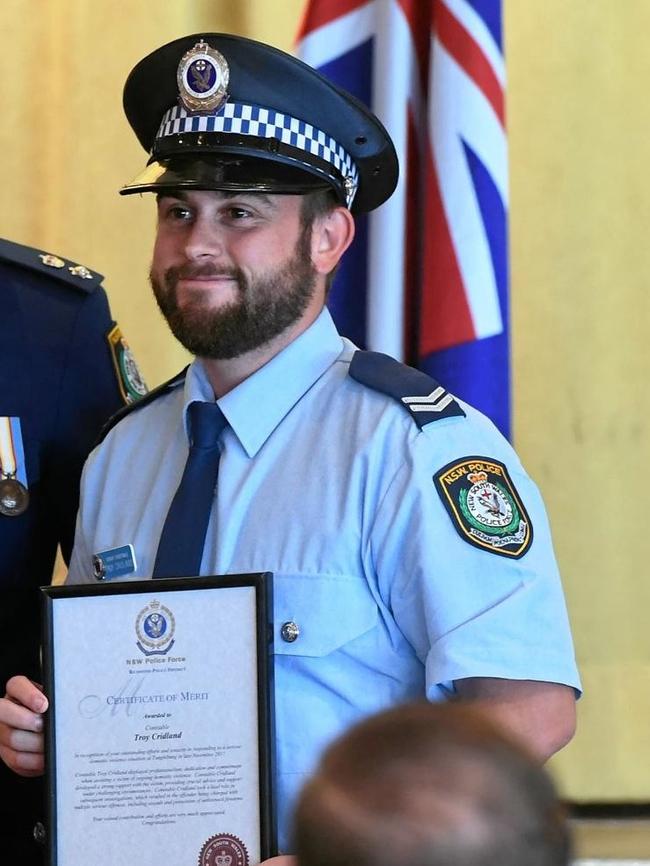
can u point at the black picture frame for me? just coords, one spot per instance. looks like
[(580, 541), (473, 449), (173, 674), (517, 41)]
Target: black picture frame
[(208, 589)]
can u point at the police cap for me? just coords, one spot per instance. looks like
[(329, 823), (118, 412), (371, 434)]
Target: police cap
[(217, 111)]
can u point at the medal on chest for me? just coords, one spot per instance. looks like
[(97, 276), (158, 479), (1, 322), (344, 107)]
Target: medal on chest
[(14, 496)]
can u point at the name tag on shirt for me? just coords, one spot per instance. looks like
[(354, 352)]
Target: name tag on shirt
[(117, 562)]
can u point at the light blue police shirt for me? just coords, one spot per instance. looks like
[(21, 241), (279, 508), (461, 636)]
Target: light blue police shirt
[(328, 484)]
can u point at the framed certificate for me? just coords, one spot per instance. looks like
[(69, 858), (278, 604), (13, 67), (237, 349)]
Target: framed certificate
[(159, 734)]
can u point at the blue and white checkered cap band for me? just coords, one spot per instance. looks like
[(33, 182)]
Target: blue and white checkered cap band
[(242, 119)]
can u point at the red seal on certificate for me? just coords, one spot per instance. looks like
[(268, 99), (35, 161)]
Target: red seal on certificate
[(223, 850)]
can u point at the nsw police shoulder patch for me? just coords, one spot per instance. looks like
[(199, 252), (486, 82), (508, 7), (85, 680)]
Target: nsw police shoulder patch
[(484, 505)]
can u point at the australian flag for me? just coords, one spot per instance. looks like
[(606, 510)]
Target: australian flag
[(426, 280)]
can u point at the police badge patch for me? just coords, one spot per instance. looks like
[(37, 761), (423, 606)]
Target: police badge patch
[(129, 379), (484, 505)]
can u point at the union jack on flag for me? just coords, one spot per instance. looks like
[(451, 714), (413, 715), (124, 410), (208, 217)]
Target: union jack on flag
[(427, 278)]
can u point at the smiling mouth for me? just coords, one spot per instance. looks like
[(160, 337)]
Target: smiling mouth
[(207, 289), (212, 278), (205, 281), (205, 271)]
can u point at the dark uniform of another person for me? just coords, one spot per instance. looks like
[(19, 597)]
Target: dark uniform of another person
[(64, 370)]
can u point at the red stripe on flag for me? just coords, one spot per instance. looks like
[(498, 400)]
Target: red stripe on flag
[(419, 17), (318, 14), (467, 52), (445, 318)]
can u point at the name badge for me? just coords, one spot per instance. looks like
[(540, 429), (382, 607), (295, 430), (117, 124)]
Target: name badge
[(117, 562)]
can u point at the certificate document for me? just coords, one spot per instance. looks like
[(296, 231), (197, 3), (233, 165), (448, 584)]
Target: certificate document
[(158, 738)]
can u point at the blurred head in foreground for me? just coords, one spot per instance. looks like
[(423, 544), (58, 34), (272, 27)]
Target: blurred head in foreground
[(429, 785)]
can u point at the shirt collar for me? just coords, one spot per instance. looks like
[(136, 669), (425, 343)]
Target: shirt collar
[(256, 406)]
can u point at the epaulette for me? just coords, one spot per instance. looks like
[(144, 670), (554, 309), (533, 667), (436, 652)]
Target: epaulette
[(72, 274), (139, 404), (424, 398)]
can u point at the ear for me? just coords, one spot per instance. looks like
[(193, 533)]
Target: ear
[(331, 235)]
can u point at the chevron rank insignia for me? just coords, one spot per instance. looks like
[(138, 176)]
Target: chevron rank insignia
[(484, 506), (421, 396), (436, 401)]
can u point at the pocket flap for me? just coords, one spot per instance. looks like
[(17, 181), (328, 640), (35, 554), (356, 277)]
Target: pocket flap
[(321, 613)]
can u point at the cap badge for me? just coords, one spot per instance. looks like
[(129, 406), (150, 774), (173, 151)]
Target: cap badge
[(51, 261), (202, 78)]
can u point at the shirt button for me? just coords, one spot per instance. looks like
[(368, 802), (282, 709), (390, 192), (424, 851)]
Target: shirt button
[(39, 833), (289, 632)]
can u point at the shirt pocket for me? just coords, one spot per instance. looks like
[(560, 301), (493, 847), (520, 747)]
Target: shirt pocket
[(315, 615)]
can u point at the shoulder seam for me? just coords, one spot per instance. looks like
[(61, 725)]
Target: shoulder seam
[(54, 267), (115, 419)]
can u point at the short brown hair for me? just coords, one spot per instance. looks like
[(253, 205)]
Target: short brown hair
[(429, 785)]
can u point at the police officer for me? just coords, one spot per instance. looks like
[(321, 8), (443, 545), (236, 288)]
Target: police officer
[(411, 552), (64, 369)]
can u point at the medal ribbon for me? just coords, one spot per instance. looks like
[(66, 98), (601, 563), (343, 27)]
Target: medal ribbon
[(12, 454)]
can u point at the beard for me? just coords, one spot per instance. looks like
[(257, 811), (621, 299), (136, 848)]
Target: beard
[(266, 305)]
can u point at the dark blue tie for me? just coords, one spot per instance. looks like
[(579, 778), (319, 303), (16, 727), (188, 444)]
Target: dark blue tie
[(181, 543)]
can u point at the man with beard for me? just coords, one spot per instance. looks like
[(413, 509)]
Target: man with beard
[(397, 522)]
